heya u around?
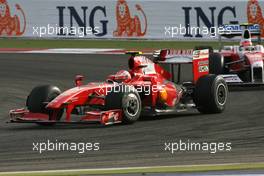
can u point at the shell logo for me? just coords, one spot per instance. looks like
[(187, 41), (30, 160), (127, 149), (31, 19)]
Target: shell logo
[(254, 14), (11, 25), (128, 26)]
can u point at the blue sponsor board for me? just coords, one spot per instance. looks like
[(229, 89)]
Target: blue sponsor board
[(237, 29)]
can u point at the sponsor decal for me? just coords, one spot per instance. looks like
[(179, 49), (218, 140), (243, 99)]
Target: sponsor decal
[(231, 78), (11, 25), (254, 14), (128, 26), (200, 54), (203, 68), (113, 116), (210, 20), (205, 62), (71, 17)]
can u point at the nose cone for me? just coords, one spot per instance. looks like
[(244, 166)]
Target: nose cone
[(77, 94), (246, 34), (246, 38), (66, 97)]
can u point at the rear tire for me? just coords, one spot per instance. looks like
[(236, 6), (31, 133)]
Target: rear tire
[(211, 93), (128, 100), (216, 61), (38, 99), (216, 64)]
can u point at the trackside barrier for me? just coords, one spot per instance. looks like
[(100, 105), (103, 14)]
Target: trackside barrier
[(140, 19)]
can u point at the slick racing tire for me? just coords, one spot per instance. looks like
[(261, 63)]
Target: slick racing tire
[(127, 99), (210, 94), (216, 64), (38, 99), (216, 61)]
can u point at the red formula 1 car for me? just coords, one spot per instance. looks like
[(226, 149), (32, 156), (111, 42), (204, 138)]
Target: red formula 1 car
[(241, 65), (146, 88)]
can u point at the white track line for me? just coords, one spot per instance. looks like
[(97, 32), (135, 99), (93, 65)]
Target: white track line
[(72, 50), (124, 168)]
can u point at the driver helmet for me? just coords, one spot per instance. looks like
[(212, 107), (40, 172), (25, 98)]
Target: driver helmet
[(246, 39), (122, 76), (245, 43)]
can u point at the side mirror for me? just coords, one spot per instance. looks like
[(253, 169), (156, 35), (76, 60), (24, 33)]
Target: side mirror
[(79, 80)]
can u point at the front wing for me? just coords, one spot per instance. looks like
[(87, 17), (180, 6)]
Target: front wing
[(101, 117), (235, 83)]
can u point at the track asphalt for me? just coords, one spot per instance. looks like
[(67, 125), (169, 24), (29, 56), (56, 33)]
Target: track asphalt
[(140, 144)]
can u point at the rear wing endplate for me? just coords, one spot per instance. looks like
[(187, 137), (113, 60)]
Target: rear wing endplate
[(198, 58)]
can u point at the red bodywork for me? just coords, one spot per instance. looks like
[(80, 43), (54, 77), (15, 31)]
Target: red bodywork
[(144, 73), (242, 57)]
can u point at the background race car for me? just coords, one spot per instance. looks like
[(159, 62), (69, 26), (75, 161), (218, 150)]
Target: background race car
[(241, 65)]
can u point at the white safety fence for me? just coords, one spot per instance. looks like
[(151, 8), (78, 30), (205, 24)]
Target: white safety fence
[(146, 19)]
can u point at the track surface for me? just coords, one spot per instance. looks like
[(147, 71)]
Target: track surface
[(140, 144)]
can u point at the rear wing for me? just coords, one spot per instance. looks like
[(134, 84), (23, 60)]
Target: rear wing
[(171, 56), (198, 58), (232, 30)]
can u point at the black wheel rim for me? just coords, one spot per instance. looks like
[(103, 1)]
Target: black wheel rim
[(131, 104), (221, 94)]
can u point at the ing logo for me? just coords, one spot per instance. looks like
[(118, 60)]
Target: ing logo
[(254, 14), (11, 25), (128, 26)]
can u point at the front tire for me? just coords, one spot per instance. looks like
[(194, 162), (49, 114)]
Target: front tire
[(126, 99), (216, 61), (216, 64), (211, 93), (38, 99)]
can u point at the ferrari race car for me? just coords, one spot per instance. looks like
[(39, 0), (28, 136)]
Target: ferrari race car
[(146, 89), (240, 65)]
